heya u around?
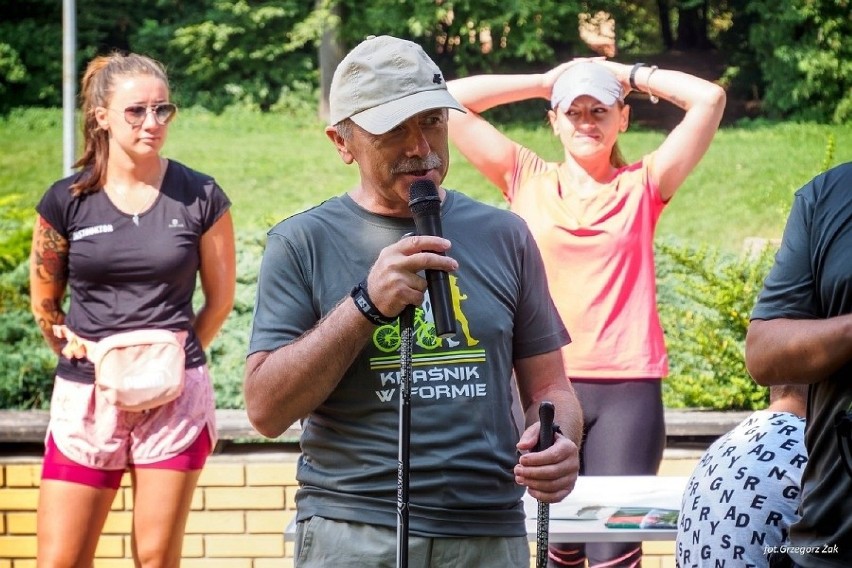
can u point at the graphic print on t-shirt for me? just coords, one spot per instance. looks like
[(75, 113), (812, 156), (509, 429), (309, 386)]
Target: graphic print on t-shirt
[(442, 368)]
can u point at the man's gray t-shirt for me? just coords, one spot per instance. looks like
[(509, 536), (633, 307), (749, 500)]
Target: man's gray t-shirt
[(463, 433), (812, 279)]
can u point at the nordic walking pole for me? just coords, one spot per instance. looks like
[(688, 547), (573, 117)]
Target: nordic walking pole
[(545, 440), (406, 331)]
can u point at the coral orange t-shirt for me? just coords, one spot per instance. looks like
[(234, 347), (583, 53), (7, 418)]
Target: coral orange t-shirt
[(599, 257)]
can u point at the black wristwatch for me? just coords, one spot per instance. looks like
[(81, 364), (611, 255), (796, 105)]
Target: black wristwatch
[(367, 307)]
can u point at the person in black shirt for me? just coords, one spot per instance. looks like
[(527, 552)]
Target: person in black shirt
[(801, 332), (126, 236)]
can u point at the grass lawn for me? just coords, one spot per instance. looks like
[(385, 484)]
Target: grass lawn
[(274, 165)]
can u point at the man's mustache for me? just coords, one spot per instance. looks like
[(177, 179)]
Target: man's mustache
[(431, 162)]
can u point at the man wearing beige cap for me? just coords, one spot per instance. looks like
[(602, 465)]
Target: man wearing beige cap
[(325, 342)]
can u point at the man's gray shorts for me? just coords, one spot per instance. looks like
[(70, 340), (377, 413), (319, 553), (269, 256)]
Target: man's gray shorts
[(322, 543)]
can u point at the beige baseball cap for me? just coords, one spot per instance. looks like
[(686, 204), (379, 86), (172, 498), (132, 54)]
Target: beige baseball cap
[(585, 78), (384, 81)]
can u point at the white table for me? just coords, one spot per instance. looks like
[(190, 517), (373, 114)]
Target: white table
[(607, 492)]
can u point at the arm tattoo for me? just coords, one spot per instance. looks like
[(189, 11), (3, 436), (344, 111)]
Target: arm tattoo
[(49, 274), (50, 254)]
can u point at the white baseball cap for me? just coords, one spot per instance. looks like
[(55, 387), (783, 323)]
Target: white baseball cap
[(585, 78), (384, 81)]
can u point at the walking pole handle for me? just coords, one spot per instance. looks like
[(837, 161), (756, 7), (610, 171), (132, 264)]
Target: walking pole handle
[(546, 414)]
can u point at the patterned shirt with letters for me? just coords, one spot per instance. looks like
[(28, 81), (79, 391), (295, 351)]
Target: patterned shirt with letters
[(743, 494)]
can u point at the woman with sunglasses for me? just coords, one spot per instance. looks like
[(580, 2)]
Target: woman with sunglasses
[(593, 215), (126, 236)]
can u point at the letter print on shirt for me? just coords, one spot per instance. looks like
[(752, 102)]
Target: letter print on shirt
[(743, 494)]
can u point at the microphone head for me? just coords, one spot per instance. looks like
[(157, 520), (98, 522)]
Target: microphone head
[(423, 198)]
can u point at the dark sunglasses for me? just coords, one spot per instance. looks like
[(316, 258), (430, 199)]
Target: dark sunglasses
[(163, 113), (843, 427)]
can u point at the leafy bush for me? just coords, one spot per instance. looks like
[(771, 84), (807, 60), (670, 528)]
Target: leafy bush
[(705, 302), (15, 231), (227, 356), (26, 363)]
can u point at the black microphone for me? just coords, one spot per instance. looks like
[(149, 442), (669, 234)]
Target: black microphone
[(425, 205)]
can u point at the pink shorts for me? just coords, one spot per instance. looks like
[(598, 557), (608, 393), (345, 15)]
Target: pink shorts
[(93, 433), (58, 466)]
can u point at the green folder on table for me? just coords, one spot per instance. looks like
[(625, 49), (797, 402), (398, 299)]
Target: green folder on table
[(643, 518)]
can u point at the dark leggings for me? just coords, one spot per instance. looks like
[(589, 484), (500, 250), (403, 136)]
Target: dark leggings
[(624, 433)]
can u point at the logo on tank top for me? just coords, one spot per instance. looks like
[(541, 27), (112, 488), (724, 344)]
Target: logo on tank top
[(441, 367)]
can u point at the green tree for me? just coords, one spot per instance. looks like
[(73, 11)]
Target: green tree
[(235, 53), (691, 18), (12, 69), (795, 56), (32, 33), (465, 36), (30, 54)]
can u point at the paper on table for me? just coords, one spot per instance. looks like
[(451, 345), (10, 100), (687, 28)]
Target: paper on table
[(581, 513), (635, 491), (597, 497)]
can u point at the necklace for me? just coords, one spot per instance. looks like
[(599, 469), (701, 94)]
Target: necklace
[(151, 196)]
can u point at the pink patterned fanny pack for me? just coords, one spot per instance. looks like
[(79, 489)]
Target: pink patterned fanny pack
[(134, 370)]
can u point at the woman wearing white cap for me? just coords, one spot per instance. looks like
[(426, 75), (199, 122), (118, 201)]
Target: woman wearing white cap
[(593, 216)]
